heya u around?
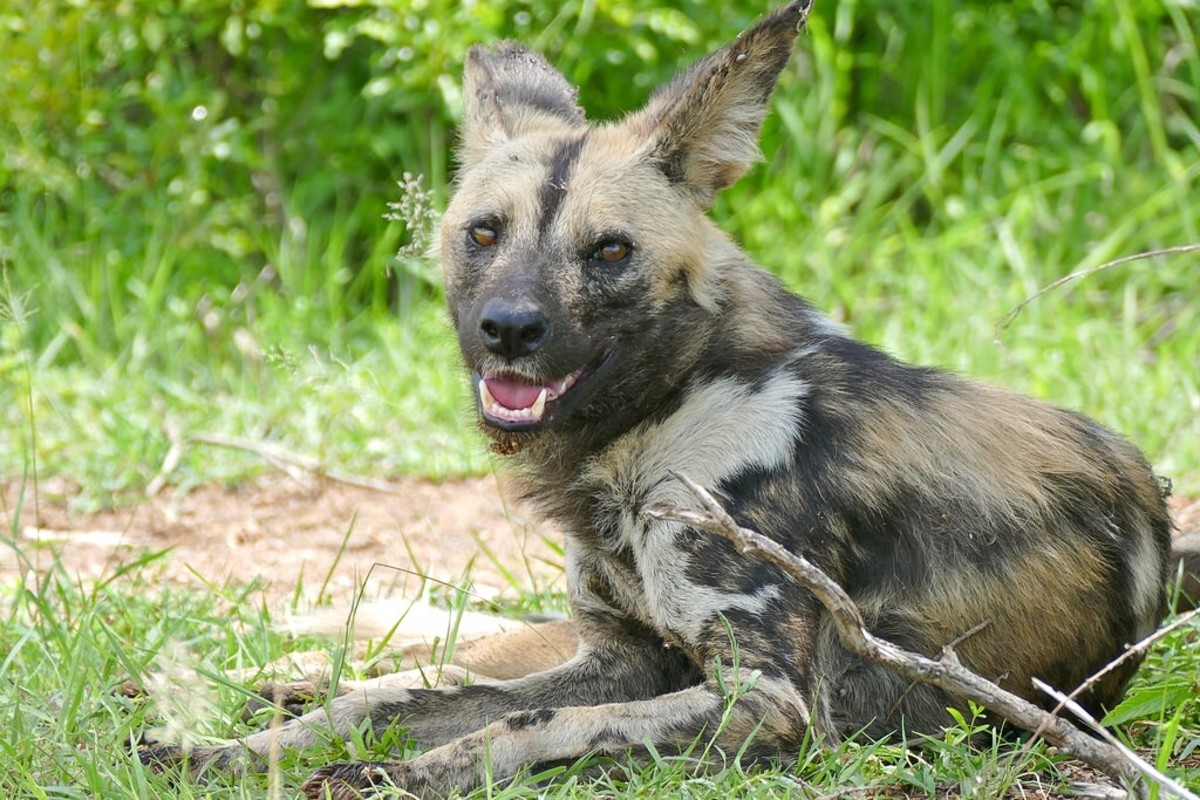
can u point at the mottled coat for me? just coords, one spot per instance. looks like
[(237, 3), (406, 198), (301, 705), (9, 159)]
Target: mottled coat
[(613, 334)]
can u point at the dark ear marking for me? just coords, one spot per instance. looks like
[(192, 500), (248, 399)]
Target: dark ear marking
[(510, 91), (703, 126)]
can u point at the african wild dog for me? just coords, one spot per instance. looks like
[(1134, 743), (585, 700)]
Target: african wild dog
[(613, 333)]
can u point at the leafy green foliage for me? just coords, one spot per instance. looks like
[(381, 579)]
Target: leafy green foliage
[(192, 193)]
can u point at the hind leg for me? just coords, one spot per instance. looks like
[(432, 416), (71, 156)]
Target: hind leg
[(852, 695)]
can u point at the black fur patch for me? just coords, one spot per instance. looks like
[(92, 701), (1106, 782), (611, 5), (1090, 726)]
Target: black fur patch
[(529, 719), (555, 188)]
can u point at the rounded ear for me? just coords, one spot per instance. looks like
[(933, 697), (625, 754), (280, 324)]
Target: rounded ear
[(703, 126), (509, 92)]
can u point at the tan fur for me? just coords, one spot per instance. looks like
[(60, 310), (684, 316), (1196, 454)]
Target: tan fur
[(981, 443), (1015, 607), (620, 196), (520, 652)]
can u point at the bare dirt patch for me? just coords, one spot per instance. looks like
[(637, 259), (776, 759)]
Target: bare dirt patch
[(284, 533)]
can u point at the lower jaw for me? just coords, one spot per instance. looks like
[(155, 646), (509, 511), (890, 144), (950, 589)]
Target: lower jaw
[(507, 443), (553, 407), (515, 426)]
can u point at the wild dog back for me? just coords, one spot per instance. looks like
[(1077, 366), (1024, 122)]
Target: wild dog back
[(613, 333)]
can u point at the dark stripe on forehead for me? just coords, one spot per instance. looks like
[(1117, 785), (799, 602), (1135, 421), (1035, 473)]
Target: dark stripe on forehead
[(555, 188)]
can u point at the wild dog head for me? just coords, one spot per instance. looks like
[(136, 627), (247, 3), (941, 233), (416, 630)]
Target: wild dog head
[(580, 266)]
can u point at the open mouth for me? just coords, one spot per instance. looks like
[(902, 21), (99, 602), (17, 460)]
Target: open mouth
[(515, 402)]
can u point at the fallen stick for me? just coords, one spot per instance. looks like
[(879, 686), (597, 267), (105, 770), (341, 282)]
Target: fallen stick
[(1131, 650), (1105, 734), (946, 672), (294, 465), (1067, 700)]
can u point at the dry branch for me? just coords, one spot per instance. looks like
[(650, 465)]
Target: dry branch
[(1131, 650), (1067, 701), (1139, 762), (296, 466), (946, 672)]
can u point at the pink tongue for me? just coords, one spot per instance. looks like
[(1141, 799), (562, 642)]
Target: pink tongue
[(513, 394)]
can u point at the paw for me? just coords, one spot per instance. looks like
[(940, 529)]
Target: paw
[(195, 760), (354, 779), (161, 757), (293, 698)]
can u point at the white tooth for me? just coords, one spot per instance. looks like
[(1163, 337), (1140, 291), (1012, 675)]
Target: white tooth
[(561, 386), (539, 405), (485, 397)]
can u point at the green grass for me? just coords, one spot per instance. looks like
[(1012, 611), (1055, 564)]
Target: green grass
[(389, 401), (67, 648)]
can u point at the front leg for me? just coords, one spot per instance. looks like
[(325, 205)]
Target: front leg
[(619, 660), (755, 703), (771, 714)]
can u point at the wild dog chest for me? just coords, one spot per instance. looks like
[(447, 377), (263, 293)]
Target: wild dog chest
[(661, 572), (665, 582)]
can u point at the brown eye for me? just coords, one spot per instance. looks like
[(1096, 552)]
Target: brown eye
[(613, 252), (483, 235)]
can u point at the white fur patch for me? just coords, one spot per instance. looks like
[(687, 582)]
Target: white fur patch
[(722, 428), (1147, 580)]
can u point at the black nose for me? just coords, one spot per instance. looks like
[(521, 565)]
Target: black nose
[(512, 330)]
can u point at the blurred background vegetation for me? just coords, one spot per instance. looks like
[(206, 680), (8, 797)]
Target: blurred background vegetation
[(193, 198)]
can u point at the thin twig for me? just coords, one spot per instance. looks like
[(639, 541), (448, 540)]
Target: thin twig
[(295, 465), (1136, 649), (1139, 648), (946, 672), (1007, 319), (1142, 765), (170, 460)]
